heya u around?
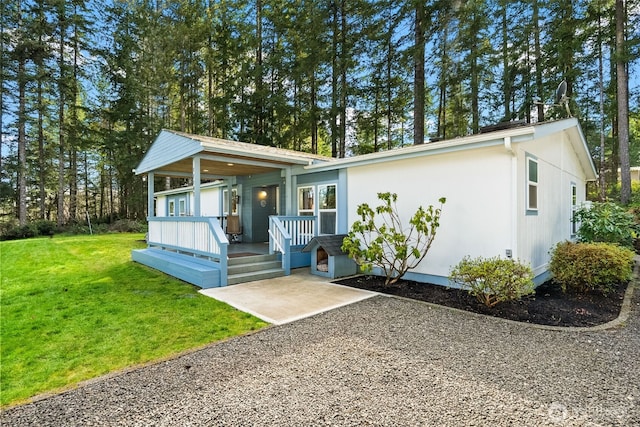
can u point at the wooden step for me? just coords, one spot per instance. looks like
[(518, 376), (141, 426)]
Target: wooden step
[(251, 259), (234, 279), (253, 266)]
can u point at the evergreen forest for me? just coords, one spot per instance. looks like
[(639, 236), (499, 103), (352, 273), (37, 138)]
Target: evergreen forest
[(87, 84)]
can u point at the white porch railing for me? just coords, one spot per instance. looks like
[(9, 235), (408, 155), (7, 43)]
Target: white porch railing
[(198, 236), (287, 231)]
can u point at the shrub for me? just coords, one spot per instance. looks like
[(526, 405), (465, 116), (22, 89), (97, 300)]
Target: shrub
[(20, 232), (584, 267), (127, 226), (385, 243), (605, 222), (493, 280), (45, 227)]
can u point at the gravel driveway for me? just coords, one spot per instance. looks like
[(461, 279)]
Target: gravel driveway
[(379, 362)]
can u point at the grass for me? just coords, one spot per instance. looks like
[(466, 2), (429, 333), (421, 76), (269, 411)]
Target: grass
[(73, 308)]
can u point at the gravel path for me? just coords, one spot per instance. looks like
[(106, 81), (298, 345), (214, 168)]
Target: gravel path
[(380, 362)]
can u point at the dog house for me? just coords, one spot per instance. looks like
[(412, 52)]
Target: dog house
[(327, 257)]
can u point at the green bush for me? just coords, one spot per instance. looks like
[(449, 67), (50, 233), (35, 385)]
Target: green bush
[(605, 222), (493, 280), (128, 226), (585, 267), (45, 228), (21, 232)]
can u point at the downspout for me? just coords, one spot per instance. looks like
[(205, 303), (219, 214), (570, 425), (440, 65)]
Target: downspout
[(514, 198)]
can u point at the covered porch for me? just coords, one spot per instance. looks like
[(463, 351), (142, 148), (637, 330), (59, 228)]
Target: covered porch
[(252, 234)]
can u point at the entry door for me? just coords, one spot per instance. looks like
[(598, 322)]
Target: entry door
[(264, 203)]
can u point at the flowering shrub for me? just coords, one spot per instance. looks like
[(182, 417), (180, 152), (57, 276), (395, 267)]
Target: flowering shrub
[(381, 241), (493, 280)]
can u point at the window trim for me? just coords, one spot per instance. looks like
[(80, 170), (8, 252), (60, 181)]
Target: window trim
[(317, 211), (529, 184), (574, 208), (235, 202), (328, 210), (312, 211), (180, 205)]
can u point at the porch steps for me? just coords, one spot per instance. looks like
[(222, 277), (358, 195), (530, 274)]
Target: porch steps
[(198, 271), (251, 268)]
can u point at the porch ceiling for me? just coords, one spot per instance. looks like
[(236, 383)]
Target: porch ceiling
[(230, 166)]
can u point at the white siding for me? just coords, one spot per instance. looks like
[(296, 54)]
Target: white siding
[(476, 219), (210, 202), (161, 206), (558, 168)]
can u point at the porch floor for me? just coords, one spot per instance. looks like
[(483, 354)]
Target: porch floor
[(285, 299), (240, 249)]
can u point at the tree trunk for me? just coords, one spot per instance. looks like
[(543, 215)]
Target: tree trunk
[(334, 82), (258, 119), (538, 61), (2, 78), (418, 79), (506, 69), (61, 127), (41, 154), (389, 92), (442, 100), (622, 89), (22, 142), (314, 114), (75, 134), (475, 81), (343, 80), (602, 182)]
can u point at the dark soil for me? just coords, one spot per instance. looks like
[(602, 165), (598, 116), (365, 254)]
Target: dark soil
[(548, 306)]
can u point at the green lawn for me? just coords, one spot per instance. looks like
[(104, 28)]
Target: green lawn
[(73, 308)]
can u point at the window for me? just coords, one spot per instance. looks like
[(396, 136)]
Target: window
[(574, 207), (234, 201), (327, 211), (305, 201), (177, 206), (532, 185), (321, 201)]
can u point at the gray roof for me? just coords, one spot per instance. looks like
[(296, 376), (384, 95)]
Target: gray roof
[(172, 154), (330, 243)]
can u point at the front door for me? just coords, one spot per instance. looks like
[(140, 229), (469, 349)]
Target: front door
[(264, 204)]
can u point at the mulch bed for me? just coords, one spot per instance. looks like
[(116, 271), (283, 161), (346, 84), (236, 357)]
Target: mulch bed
[(548, 306)]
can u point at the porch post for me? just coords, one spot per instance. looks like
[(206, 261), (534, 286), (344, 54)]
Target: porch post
[(289, 188), (229, 197), (150, 190), (196, 186)]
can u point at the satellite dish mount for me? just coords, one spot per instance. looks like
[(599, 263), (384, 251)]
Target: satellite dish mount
[(561, 98)]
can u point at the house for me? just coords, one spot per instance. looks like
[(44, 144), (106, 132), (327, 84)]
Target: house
[(510, 192)]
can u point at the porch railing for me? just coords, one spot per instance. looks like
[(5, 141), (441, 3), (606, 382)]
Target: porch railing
[(288, 231), (197, 236)]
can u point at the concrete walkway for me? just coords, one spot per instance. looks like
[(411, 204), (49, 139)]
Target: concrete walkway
[(286, 299)]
